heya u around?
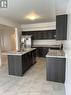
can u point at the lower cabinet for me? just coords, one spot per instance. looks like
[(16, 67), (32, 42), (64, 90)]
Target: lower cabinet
[(55, 69), (19, 64), (26, 62), (33, 56)]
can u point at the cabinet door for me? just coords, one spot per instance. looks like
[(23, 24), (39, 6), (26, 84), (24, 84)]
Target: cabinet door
[(55, 69), (29, 58), (33, 56), (45, 35), (61, 27), (34, 35), (15, 65), (51, 69), (61, 69), (42, 34), (24, 63)]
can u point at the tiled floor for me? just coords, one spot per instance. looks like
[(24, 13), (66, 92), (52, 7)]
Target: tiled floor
[(32, 83)]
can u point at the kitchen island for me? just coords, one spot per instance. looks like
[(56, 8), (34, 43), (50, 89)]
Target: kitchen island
[(20, 61), (55, 66)]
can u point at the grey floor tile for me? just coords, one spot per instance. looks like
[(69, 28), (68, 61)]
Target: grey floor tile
[(32, 83)]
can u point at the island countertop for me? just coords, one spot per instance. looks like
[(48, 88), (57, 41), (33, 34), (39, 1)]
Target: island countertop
[(56, 53), (18, 52)]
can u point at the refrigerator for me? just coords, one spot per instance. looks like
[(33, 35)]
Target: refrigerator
[(26, 41)]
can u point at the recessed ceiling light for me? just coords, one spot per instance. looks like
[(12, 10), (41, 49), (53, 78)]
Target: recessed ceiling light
[(32, 16)]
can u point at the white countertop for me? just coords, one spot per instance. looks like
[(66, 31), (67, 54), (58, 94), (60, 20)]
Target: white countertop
[(56, 53), (18, 52)]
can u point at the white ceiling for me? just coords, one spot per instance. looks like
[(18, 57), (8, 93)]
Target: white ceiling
[(47, 9)]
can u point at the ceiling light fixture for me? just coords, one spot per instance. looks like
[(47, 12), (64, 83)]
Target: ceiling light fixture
[(32, 16)]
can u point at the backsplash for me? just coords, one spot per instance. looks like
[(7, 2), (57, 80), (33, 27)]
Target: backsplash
[(46, 42)]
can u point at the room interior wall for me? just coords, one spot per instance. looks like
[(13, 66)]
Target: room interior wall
[(7, 41), (7, 38), (0, 49), (18, 32), (39, 26), (9, 23), (67, 48), (47, 42)]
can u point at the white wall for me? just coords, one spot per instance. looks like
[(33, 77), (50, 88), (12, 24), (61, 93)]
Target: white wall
[(67, 47), (18, 36), (0, 50), (7, 37), (46, 42), (10, 23), (7, 41), (39, 26)]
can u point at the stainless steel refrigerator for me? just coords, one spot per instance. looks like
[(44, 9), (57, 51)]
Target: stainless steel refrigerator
[(26, 41)]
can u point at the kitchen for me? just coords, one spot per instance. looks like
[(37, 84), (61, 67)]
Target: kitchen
[(35, 53)]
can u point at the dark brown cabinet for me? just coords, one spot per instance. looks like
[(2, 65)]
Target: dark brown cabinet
[(19, 64), (33, 56), (42, 34), (55, 69), (61, 27)]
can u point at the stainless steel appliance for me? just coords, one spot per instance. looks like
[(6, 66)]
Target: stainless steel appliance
[(26, 41)]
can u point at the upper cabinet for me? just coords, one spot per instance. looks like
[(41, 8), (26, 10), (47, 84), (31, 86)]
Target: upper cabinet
[(61, 27), (40, 35)]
